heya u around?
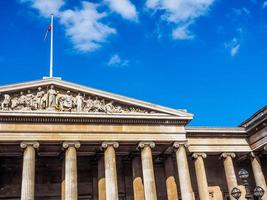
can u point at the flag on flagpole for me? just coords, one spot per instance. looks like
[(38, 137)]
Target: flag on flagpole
[(48, 30)]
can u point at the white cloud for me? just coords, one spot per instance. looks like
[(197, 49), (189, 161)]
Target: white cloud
[(46, 7), (84, 27), (247, 11), (115, 60), (233, 46), (241, 11), (181, 13), (264, 5), (235, 49), (123, 7), (182, 33)]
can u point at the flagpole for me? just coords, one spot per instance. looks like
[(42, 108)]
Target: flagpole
[(51, 46)]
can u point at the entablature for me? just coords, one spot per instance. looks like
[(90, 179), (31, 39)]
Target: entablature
[(215, 131), (216, 139)]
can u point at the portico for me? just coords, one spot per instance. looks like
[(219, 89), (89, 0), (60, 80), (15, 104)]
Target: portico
[(89, 144)]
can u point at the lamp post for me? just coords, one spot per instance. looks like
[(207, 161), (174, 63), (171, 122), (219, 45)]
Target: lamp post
[(236, 193), (243, 175), (258, 192)]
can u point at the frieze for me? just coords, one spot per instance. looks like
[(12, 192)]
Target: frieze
[(61, 100)]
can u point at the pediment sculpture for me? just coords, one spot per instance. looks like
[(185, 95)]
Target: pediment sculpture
[(52, 99)]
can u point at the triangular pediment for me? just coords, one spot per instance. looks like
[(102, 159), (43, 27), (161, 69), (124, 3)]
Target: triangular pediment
[(57, 96)]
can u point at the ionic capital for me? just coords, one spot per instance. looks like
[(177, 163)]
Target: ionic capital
[(142, 145), (24, 145), (105, 145), (176, 145), (66, 145), (196, 155), (225, 155), (254, 155)]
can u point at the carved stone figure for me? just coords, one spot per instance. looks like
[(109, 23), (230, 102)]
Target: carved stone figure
[(14, 103), (36, 100), (79, 100), (59, 101), (88, 105), (51, 93), (39, 99), (29, 100), (67, 101), (118, 109), (96, 105), (109, 107), (5, 105), (22, 100)]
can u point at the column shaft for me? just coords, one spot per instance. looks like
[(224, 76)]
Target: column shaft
[(71, 190), (171, 185), (71, 187), (63, 179), (28, 173), (138, 187), (183, 171), (229, 172), (148, 171), (101, 179), (111, 173), (258, 175), (201, 176)]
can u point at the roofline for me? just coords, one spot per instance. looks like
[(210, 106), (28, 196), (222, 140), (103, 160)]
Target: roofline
[(82, 88), (255, 119), (215, 129)]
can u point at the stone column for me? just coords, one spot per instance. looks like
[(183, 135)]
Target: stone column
[(110, 170), (229, 171), (71, 187), (183, 171), (148, 170), (28, 170), (258, 174), (171, 185), (202, 183), (138, 187), (101, 179), (63, 179)]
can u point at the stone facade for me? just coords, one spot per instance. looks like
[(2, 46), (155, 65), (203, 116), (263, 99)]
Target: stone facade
[(61, 140)]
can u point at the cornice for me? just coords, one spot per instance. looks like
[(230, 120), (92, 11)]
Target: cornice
[(215, 131), (256, 121), (96, 119)]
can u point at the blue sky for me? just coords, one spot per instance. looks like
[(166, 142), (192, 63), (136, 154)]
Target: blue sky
[(206, 56)]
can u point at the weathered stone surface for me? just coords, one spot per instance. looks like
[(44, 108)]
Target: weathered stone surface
[(229, 171), (171, 184), (61, 96), (201, 175), (148, 170), (101, 179), (258, 174), (138, 186), (215, 193), (52, 111), (28, 173), (110, 170), (183, 171), (71, 184)]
